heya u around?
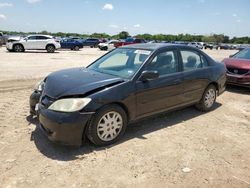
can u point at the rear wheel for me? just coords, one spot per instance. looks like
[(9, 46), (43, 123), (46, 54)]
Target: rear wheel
[(107, 126), (208, 99), (18, 48), (50, 49)]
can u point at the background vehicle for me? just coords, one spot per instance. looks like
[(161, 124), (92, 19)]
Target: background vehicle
[(71, 44), (224, 47), (238, 68), (129, 41), (110, 45), (3, 39), (127, 84), (34, 42), (208, 46), (91, 42), (196, 44)]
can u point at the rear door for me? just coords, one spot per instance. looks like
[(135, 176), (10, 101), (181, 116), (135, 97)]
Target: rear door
[(165, 92), (42, 41), (195, 74)]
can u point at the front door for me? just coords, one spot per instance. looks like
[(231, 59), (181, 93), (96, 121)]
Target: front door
[(165, 92), (30, 43)]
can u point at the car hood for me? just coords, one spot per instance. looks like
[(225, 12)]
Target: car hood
[(77, 81), (237, 63)]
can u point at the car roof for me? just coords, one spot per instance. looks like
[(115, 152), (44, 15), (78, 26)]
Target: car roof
[(155, 46)]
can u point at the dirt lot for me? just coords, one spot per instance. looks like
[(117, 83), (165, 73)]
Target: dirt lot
[(186, 148)]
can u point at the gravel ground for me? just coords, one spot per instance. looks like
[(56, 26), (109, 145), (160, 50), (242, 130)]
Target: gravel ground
[(185, 148)]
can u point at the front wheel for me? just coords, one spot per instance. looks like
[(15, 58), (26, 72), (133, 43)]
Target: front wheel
[(208, 99), (107, 126), (18, 48)]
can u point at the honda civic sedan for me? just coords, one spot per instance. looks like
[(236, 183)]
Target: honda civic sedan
[(123, 86)]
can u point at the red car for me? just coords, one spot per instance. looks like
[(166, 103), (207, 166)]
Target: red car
[(238, 68), (129, 41)]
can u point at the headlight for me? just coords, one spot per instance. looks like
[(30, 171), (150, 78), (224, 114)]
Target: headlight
[(69, 105), (39, 86)]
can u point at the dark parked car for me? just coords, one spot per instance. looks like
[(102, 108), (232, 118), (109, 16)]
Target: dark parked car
[(71, 44), (91, 42), (238, 68), (208, 46), (124, 85)]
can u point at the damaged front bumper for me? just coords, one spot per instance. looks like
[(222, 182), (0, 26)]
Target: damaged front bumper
[(61, 127)]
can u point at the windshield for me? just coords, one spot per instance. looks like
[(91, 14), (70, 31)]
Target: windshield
[(243, 54), (122, 62)]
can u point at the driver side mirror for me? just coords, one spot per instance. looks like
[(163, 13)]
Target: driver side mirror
[(149, 75)]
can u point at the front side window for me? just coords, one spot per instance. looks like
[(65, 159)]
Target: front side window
[(121, 62), (164, 63), (191, 60), (32, 38)]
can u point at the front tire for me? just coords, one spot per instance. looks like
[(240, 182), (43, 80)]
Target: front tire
[(208, 99), (107, 126), (50, 49), (18, 48)]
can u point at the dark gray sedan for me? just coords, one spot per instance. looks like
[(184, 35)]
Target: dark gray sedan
[(124, 85)]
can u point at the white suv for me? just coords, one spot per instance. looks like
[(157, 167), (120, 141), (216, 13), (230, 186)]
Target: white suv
[(34, 42)]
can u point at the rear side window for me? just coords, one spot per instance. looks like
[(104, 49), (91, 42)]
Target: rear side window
[(192, 60), (41, 38)]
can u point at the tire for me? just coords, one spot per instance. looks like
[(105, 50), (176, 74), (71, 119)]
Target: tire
[(76, 48), (208, 99), (105, 48), (18, 48), (50, 48), (114, 128)]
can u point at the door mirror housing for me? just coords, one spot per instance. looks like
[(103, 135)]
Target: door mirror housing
[(231, 56), (149, 75)]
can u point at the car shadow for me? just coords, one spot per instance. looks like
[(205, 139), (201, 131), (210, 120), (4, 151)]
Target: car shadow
[(134, 130), (238, 89)]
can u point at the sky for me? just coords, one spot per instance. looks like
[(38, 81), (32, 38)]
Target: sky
[(229, 17)]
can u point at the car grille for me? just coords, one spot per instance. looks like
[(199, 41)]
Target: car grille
[(237, 71), (46, 101)]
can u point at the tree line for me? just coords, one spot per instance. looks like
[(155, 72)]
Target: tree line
[(215, 38)]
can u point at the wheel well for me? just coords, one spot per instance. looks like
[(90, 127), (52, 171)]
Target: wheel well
[(50, 45), (17, 44), (215, 84)]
